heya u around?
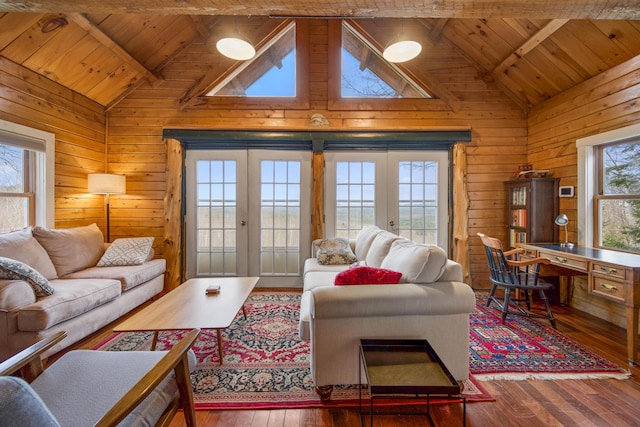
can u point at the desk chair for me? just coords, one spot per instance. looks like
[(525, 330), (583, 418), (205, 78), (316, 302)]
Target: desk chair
[(509, 272), (102, 388)]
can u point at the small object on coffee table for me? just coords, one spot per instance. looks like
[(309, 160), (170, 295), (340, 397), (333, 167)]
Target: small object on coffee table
[(213, 290)]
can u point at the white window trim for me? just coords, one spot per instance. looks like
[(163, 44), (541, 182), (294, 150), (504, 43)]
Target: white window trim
[(587, 176), (45, 164)]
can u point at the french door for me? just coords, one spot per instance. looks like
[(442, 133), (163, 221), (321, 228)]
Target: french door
[(248, 214), (403, 192)]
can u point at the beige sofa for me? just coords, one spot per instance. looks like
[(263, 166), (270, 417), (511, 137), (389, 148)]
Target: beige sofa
[(84, 297), (430, 302)]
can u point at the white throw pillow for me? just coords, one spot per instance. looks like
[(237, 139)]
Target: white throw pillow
[(364, 239), (380, 248), (418, 263), (128, 251)]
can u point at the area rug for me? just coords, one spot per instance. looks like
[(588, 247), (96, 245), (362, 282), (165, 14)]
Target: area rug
[(525, 348), (266, 365)]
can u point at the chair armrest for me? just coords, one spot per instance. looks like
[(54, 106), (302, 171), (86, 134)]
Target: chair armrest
[(176, 359), (512, 252), (29, 358)]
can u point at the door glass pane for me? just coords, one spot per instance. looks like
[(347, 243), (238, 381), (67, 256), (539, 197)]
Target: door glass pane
[(280, 217), (216, 218), (355, 197), (417, 198)]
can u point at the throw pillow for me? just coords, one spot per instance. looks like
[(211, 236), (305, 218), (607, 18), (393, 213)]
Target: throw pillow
[(335, 251), (367, 276), (16, 270), (71, 249), (22, 246), (128, 251)]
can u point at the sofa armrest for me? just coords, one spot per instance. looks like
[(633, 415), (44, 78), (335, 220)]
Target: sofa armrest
[(452, 272)]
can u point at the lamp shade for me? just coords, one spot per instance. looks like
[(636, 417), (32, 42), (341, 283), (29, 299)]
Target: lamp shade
[(107, 183), (402, 50), (236, 48)]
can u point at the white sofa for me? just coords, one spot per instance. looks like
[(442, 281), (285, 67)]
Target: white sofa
[(85, 297), (430, 302)]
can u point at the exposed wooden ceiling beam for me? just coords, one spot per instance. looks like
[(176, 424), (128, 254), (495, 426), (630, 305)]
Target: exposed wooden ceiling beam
[(546, 31), (84, 23), (540, 9)]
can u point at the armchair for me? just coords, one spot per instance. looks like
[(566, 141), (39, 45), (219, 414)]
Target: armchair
[(507, 271), (102, 388)]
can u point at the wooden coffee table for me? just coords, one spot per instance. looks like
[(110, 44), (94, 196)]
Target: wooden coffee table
[(188, 307)]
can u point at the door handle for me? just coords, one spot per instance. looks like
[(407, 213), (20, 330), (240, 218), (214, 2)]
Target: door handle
[(392, 224), (243, 223)]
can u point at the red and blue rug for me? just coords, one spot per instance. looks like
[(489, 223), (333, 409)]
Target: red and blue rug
[(266, 365), (525, 348)]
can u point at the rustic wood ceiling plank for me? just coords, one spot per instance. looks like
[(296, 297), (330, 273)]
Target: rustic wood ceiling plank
[(547, 9), (526, 47), (626, 34), (13, 25), (105, 40)]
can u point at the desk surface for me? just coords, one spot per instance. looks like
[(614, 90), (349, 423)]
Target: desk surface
[(604, 255)]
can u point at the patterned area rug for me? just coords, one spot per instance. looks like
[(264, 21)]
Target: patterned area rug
[(525, 348), (265, 364)]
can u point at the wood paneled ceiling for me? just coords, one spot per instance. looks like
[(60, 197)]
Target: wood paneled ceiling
[(104, 49)]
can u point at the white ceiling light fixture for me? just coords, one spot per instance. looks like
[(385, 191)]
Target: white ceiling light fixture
[(401, 49), (236, 46)]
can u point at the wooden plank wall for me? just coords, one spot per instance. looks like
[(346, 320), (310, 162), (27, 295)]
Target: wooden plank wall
[(603, 103), (78, 123), (135, 146)]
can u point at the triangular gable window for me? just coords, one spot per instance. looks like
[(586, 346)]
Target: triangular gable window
[(271, 73), (365, 74)]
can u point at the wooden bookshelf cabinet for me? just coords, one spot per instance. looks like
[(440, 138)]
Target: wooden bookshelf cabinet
[(532, 206)]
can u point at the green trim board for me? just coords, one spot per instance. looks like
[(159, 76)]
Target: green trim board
[(317, 141)]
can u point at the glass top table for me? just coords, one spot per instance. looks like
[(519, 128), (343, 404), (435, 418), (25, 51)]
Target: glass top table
[(407, 367)]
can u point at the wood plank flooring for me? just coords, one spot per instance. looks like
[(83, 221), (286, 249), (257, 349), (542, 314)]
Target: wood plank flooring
[(593, 402)]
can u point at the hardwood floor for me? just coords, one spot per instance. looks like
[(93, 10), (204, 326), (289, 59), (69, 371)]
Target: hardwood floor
[(595, 402)]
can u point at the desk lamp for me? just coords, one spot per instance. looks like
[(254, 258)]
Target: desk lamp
[(563, 220)]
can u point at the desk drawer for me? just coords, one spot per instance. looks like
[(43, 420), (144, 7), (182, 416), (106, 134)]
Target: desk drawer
[(607, 270), (572, 263), (607, 287)]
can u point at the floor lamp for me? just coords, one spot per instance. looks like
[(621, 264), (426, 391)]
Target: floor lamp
[(107, 183)]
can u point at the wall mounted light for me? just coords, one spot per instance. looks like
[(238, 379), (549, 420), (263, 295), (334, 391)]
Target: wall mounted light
[(236, 46), (401, 48), (107, 183)]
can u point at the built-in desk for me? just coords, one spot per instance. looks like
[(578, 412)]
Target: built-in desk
[(611, 274)]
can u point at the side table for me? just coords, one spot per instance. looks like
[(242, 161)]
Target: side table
[(405, 368)]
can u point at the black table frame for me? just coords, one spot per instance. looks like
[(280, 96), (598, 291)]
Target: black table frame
[(452, 389)]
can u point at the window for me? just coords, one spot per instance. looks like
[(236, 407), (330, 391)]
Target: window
[(365, 74), (272, 73), (26, 177), (609, 190), (617, 202)]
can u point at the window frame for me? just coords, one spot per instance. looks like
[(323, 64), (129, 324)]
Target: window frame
[(42, 144), (589, 174)]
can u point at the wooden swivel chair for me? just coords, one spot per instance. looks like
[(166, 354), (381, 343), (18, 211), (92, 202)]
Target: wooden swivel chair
[(101, 388), (509, 272)]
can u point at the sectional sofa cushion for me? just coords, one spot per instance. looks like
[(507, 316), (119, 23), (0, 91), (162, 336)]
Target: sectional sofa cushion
[(364, 275), (72, 298), (128, 251), (418, 263), (71, 249), (12, 269), (335, 251), (21, 246), (379, 248), (129, 276)]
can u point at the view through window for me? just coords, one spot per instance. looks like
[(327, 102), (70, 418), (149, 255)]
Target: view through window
[(617, 203), (17, 197)]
